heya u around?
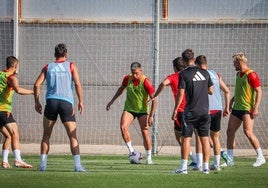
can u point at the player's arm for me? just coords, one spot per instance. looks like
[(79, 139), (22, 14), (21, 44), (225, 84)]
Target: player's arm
[(78, 88), (210, 86), (116, 95), (161, 87), (257, 101), (14, 83), (178, 101), (151, 92), (211, 90), (255, 83), (226, 91), (37, 85)]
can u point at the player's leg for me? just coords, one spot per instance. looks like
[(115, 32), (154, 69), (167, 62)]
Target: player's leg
[(216, 149), (202, 127), (47, 131), (45, 144), (233, 125), (71, 128), (67, 116), (215, 127), (144, 126), (126, 119), (15, 144), (178, 135), (248, 124), (199, 152), (187, 132), (5, 147)]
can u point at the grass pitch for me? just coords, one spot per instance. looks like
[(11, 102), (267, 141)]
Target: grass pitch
[(115, 171)]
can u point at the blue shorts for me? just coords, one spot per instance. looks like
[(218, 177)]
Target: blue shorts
[(55, 107)]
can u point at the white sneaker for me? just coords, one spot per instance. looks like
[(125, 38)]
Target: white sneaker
[(259, 161), (181, 171), (215, 167), (42, 168), (206, 171), (22, 164), (80, 169), (149, 162), (224, 164), (197, 168)]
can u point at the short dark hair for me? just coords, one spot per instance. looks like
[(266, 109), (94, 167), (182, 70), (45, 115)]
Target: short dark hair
[(201, 60), (11, 61), (135, 65), (187, 55), (178, 63), (60, 50)]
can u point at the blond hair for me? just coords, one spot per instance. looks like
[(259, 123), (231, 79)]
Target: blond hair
[(240, 57)]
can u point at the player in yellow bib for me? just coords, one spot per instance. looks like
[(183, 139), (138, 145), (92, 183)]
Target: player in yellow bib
[(247, 98), (139, 91), (9, 84)]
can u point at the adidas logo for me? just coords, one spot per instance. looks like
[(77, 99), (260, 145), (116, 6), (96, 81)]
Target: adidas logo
[(198, 77)]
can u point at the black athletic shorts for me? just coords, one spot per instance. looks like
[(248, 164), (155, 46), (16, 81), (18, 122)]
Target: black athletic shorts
[(5, 118), (200, 123), (55, 107), (137, 115), (179, 121), (215, 124), (239, 113)]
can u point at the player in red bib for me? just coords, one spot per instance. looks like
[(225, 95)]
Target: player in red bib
[(172, 80)]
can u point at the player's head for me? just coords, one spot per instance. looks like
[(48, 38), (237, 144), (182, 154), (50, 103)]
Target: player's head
[(188, 55), (12, 62), (238, 59), (136, 70), (134, 66), (178, 64), (60, 50), (201, 61)]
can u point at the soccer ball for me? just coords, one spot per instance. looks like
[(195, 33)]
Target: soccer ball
[(135, 157)]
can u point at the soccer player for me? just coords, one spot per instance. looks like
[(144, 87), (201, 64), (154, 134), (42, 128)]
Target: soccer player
[(216, 110), (9, 84), (139, 90), (172, 80), (245, 106), (196, 84), (60, 76)]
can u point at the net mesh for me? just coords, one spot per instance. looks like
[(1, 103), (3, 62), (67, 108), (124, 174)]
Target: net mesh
[(104, 45)]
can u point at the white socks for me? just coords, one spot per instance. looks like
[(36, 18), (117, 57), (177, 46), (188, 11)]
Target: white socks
[(130, 148), (77, 162), (230, 152), (149, 154), (193, 156), (184, 164), (43, 159), (17, 156), (5, 153), (259, 153), (199, 159)]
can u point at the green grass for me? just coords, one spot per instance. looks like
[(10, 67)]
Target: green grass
[(115, 171)]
